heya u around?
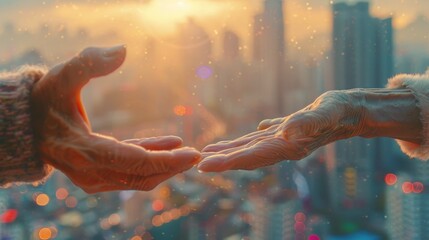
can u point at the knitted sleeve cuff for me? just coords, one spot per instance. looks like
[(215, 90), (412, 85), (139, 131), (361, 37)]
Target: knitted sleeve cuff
[(419, 85), (18, 158)]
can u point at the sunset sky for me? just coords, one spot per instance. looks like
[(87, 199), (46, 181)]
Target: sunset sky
[(165, 14), (308, 22)]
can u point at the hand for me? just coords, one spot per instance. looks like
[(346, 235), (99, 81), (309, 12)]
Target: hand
[(94, 162), (334, 115)]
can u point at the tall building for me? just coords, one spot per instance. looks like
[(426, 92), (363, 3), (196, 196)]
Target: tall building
[(407, 208), (269, 54), (276, 220), (362, 49)]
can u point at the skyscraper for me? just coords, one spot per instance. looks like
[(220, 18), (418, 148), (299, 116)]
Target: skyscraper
[(269, 53), (407, 207), (362, 49), (276, 220)]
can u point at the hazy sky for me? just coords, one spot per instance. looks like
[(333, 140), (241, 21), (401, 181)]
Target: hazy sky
[(308, 22), (56, 10)]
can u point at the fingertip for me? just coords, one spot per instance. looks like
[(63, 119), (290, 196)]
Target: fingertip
[(175, 140), (115, 56), (263, 124), (190, 155), (210, 148), (114, 51), (212, 164)]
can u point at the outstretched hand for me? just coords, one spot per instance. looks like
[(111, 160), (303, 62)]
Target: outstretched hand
[(334, 115), (94, 162)]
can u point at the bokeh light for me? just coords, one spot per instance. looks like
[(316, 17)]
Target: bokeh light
[(204, 72), (390, 179), (9, 216), (157, 221), (180, 110), (157, 205), (45, 233), (300, 217), (71, 202), (313, 237), (166, 217), (407, 187), (418, 187), (42, 199), (114, 219), (61, 193)]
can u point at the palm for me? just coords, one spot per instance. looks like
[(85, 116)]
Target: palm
[(94, 162)]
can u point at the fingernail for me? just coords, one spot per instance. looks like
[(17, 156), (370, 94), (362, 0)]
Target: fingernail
[(113, 51), (212, 164)]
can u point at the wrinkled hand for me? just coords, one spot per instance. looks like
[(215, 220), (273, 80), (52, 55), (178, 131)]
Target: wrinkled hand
[(334, 115), (94, 162)]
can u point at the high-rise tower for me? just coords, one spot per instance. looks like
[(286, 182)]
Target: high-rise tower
[(269, 53), (362, 48)]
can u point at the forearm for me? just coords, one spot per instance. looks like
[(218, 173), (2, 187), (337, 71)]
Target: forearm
[(391, 113), (400, 111)]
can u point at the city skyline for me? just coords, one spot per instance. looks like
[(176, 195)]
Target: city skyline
[(207, 84), (127, 19)]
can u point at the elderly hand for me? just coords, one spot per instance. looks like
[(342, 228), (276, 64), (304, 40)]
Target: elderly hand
[(94, 162), (334, 115)]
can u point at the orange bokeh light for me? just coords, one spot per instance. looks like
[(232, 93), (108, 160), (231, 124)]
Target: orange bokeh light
[(45, 233), (180, 110), (42, 199), (157, 221), (390, 179)]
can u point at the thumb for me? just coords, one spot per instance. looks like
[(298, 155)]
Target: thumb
[(90, 63)]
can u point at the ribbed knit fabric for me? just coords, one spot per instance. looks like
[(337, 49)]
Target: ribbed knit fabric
[(18, 159), (419, 85)]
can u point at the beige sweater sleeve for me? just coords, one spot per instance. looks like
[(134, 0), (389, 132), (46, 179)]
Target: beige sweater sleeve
[(419, 85), (18, 159)]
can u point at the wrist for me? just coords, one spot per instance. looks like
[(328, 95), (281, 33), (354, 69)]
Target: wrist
[(390, 113)]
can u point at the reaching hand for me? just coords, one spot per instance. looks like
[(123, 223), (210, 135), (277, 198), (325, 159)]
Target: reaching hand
[(94, 162), (334, 115)]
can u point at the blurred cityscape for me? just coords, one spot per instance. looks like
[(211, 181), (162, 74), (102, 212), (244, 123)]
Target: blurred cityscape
[(205, 89)]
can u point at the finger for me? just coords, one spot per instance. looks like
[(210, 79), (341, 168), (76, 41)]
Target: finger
[(90, 63), (172, 161), (270, 122), (263, 153), (157, 143), (132, 159), (239, 141)]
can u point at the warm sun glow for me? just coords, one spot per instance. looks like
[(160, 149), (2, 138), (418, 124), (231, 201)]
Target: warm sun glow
[(166, 14)]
